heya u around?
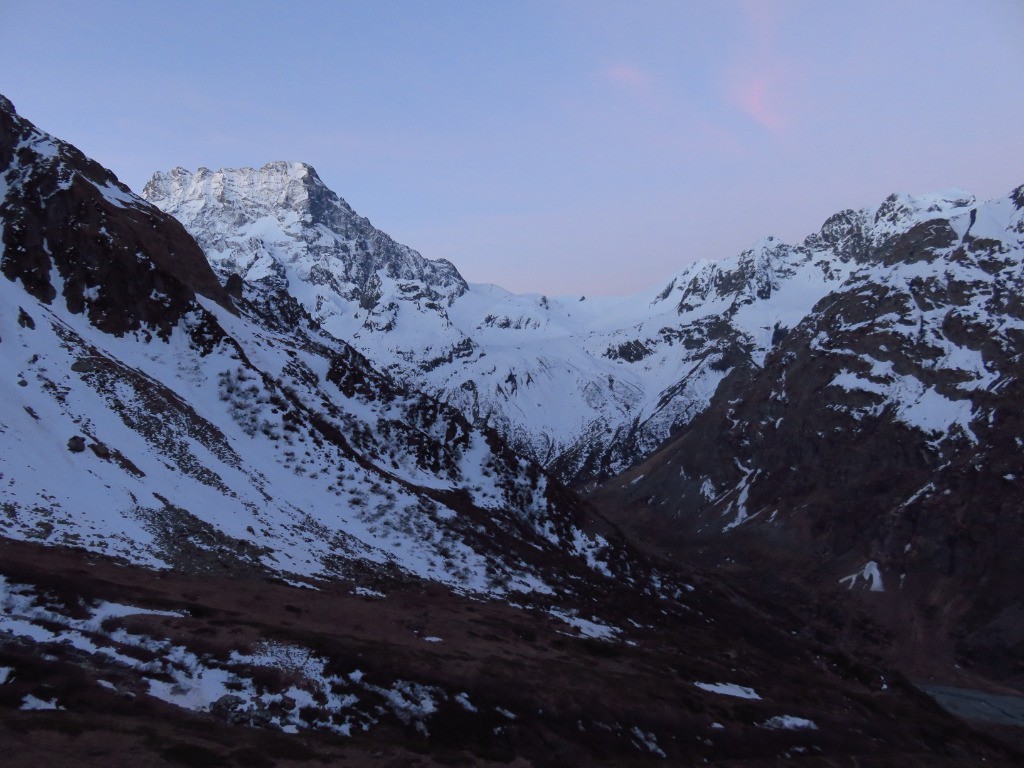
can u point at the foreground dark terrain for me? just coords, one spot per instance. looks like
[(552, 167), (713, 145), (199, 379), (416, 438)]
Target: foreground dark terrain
[(445, 679)]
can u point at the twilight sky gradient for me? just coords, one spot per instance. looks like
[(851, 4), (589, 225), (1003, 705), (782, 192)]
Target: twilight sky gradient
[(553, 146)]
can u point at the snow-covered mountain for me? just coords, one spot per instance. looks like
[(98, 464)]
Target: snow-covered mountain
[(286, 229), (150, 415), (834, 389), (880, 434), (619, 368), (227, 538)]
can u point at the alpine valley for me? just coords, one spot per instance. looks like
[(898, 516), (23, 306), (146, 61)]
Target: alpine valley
[(276, 490)]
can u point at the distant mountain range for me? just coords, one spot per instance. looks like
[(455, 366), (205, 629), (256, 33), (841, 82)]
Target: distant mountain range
[(626, 372), (262, 466)]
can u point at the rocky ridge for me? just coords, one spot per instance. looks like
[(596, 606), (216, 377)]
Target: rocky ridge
[(289, 231), (70, 225)]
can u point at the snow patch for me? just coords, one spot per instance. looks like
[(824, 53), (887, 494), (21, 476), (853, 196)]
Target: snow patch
[(644, 740), (869, 573), (789, 723), (729, 689), (30, 702), (586, 627)]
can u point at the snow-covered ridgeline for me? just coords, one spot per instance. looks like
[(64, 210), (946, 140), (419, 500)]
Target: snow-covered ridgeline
[(625, 371)]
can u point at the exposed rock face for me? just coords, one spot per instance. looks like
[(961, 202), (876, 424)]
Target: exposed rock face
[(70, 227), (882, 433)]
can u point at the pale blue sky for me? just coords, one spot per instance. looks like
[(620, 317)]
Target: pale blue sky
[(556, 146)]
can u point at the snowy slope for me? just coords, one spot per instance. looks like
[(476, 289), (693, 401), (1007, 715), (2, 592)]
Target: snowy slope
[(854, 397), (223, 439)]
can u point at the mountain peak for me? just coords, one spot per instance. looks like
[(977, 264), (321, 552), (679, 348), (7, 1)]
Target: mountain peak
[(901, 210), (280, 225), (257, 191)]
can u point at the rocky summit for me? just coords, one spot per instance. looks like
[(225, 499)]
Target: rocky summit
[(276, 490)]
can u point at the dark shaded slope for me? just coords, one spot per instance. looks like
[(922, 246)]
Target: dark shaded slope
[(119, 259)]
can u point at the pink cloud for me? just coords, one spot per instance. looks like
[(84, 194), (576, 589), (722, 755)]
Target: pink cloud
[(757, 94), (632, 77), (757, 85)]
